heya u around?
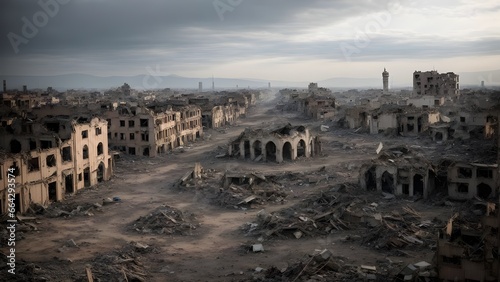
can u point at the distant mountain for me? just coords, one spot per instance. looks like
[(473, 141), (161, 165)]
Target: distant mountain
[(85, 81)]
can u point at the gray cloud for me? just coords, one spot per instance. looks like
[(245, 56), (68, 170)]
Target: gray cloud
[(127, 34)]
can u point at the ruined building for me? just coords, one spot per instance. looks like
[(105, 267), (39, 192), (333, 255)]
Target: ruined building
[(284, 143), (398, 171), (469, 251), (148, 132), (53, 157), (433, 83), (469, 180)]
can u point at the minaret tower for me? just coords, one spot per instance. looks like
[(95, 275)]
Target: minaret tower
[(385, 80)]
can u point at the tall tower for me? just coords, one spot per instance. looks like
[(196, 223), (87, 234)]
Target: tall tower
[(213, 84), (385, 80), (200, 87), (4, 85)]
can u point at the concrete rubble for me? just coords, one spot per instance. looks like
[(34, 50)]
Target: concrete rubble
[(165, 220)]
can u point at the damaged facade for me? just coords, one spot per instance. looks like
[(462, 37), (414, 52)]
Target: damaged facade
[(435, 84), (316, 103), (52, 158), (466, 181), (286, 143), (469, 251), (148, 132), (398, 172)]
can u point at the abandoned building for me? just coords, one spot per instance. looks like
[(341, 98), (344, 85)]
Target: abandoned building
[(436, 84), (408, 121), (285, 143), (143, 131), (466, 181), (52, 158), (398, 171), (470, 251)]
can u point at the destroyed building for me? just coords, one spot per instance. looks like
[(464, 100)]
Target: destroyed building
[(398, 171), (436, 84), (284, 143), (469, 250), (469, 180), (53, 157), (148, 132)]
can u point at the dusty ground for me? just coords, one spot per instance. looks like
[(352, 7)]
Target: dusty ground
[(213, 252)]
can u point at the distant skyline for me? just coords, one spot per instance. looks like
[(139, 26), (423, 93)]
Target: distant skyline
[(289, 40)]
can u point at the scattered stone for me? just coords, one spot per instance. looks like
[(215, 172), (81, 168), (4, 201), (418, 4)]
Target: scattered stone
[(257, 248)]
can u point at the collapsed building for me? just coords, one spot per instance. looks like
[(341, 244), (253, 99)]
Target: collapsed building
[(469, 250), (53, 157), (398, 171), (316, 103), (285, 143)]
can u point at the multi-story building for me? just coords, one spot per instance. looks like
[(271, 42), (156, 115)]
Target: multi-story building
[(435, 84), (53, 157), (148, 132)]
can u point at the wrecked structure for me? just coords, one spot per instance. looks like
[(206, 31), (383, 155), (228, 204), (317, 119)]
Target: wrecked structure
[(466, 181), (316, 103), (53, 157), (469, 251), (436, 84), (143, 131), (284, 143), (407, 121), (398, 171)]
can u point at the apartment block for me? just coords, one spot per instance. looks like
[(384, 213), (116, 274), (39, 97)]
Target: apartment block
[(436, 84), (53, 157), (152, 131)]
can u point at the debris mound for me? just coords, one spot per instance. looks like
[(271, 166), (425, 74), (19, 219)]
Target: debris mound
[(165, 220), (321, 266), (385, 223), (122, 265)]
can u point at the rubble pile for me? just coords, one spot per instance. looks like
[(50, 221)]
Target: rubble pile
[(234, 189), (336, 210), (122, 265), (165, 220), (65, 209), (321, 266), (242, 196), (25, 271)]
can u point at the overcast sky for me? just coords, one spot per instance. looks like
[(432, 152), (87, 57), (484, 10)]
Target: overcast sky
[(268, 39)]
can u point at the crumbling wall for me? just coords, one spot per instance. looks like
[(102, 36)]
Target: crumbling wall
[(465, 181)]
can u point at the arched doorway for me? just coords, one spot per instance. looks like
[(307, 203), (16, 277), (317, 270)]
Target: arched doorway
[(370, 179), (301, 148), (287, 151), (387, 182), (418, 185), (483, 191), (86, 177), (257, 147), (271, 151), (100, 172), (246, 146)]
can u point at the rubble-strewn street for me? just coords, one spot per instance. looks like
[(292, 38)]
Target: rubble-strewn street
[(200, 213)]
